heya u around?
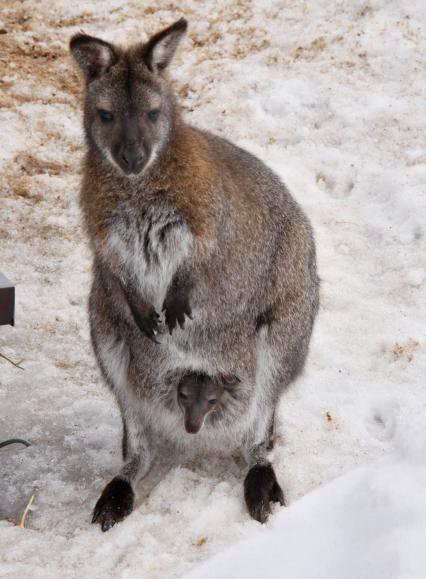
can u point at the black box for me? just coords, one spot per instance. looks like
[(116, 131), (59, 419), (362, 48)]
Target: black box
[(7, 302)]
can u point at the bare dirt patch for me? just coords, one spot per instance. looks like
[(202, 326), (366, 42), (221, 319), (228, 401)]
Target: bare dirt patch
[(405, 351)]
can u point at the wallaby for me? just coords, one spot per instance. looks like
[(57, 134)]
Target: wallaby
[(200, 395), (203, 262)]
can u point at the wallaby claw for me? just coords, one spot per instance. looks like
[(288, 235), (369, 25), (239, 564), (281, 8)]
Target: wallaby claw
[(148, 323), (176, 308)]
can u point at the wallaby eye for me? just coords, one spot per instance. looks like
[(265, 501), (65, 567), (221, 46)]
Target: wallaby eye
[(183, 395), (105, 116), (153, 115), (212, 401)]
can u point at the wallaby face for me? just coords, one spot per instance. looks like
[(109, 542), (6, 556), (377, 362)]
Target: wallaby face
[(129, 108), (127, 117), (198, 396)]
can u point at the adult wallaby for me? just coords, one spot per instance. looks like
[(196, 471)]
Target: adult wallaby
[(186, 223)]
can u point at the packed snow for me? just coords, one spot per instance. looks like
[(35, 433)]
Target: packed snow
[(332, 96), (370, 523)]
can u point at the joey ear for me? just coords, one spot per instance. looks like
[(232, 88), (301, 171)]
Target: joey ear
[(160, 49), (93, 55), (229, 379)]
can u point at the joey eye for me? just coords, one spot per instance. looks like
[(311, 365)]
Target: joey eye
[(153, 115), (183, 396), (212, 401), (105, 116)]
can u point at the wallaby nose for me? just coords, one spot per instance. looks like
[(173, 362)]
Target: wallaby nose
[(131, 158)]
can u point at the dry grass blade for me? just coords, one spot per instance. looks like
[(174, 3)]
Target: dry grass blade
[(27, 510), (11, 361)]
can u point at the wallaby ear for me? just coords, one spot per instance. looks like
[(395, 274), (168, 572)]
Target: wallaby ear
[(160, 49), (93, 55)]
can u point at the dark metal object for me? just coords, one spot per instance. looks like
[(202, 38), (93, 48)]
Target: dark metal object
[(7, 302), (14, 441)]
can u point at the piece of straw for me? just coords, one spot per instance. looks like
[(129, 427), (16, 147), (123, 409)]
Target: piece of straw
[(27, 510), (16, 364)]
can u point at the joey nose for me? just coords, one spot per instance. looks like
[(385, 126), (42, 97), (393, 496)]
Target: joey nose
[(192, 427), (131, 159)]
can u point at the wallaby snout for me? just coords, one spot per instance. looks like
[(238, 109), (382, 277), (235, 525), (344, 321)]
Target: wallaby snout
[(131, 159), (133, 147)]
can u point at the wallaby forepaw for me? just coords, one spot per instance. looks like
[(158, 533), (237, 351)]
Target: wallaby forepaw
[(260, 489), (114, 504), (148, 323), (176, 308)]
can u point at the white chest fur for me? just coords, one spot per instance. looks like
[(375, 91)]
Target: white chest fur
[(150, 247)]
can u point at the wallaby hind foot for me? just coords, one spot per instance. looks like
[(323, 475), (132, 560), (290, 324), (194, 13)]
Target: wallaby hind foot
[(114, 504), (261, 488)]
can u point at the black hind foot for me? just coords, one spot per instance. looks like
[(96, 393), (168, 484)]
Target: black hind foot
[(114, 504), (260, 489)]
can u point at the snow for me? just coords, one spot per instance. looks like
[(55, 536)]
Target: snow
[(369, 523), (329, 94)]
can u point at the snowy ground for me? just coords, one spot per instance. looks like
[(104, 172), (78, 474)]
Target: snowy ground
[(368, 524), (332, 95)]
